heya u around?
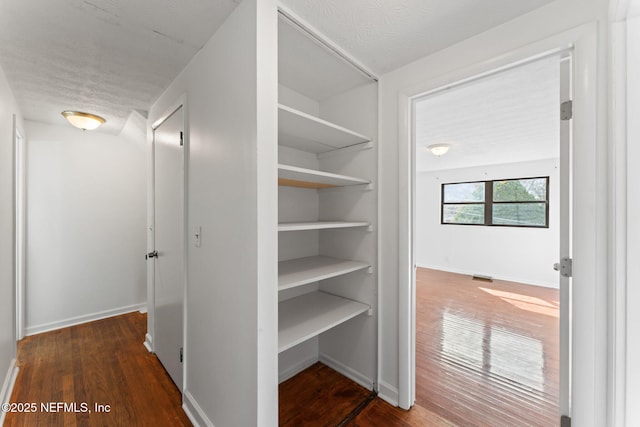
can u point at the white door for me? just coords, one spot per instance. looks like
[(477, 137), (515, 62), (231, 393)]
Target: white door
[(169, 243)]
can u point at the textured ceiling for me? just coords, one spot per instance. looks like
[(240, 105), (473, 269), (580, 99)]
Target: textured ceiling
[(112, 57), (509, 117), (387, 34), (107, 57)]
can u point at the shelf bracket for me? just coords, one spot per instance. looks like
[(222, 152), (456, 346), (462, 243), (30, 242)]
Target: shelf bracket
[(370, 270), (370, 228), (370, 311)]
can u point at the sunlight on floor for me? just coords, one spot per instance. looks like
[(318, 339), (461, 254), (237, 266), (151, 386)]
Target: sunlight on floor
[(525, 302)]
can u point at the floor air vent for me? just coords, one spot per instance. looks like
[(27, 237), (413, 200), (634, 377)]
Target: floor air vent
[(482, 278)]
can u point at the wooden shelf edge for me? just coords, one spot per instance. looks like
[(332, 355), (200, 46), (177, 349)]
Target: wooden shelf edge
[(323, 122), (302, 271), (320, 225), (295, 176), (307, 316)]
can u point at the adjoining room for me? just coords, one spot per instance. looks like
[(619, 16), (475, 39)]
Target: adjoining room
[(486, 237)]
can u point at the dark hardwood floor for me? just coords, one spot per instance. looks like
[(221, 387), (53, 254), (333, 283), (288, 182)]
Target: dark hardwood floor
[(102, 362), (487, 355)]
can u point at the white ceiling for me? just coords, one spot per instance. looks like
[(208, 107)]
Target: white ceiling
[(509, 117), (111, 57), (387, 34), (106, 57)]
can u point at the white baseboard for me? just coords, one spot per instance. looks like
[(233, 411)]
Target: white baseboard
[(148, 342), (296, 369), (348, 372), (388, 393), (72, 321), (194, 412), (7, 386), (540, 283)]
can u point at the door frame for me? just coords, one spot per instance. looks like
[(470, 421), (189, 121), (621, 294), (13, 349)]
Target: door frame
[(588, 384), (181, 102), (20, 217)]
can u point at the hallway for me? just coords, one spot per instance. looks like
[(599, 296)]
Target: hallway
[(98, 363)]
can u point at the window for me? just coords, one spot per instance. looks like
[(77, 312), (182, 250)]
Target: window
[(522, 202)]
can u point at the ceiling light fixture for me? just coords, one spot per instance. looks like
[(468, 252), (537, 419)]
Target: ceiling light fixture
[(439, 149), (84, 121)]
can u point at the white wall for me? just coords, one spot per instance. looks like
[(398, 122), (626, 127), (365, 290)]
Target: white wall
[(518, 254), (8, 108), (633, 213), (480, 54), (86, 221), (231, 305)]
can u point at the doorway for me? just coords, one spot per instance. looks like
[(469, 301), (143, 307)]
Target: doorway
[(495, 207), (169, 255)]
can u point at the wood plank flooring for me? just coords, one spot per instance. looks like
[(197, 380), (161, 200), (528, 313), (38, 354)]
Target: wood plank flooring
[(487, 354), (101, 362)]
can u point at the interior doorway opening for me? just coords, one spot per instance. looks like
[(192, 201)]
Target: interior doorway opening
[(488, 221)]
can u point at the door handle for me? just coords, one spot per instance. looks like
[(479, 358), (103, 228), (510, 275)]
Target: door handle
[(556, 266), (153, 254)]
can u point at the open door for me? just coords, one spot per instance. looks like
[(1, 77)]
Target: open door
[(564, 264), (168, 256)]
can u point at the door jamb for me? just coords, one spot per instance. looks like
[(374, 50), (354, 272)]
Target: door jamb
[(19, 208)]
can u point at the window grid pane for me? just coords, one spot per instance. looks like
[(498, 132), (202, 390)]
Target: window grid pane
[(521, 202), (463, 213)]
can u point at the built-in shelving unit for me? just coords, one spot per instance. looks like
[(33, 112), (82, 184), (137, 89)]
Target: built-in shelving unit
[(319, 225), (327, 209), (308, 315), (303, 131), (302, 271), (294, 176)]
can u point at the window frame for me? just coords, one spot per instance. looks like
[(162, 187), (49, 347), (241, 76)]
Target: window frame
[(489, 203)]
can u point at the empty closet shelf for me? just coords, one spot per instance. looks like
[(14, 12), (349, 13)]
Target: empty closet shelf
[(308, 133), (319, 225), (293, 176), (301, 271), (309, 315)]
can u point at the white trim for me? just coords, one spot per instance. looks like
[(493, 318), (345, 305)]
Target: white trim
[(506, 278), (19, 228), (7, 386), (85, 318), (194, 412), (148, 342), (296, 368), (347, 371), (617, 345), (388, 393), (590, 246)]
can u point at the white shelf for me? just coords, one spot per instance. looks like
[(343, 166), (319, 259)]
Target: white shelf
[(301, 271), (319, 225), (293, 176), (309, 315), (308, 133)]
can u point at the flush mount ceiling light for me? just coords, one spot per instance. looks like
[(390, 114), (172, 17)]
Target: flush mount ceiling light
[(84, 121), (439, 149)]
